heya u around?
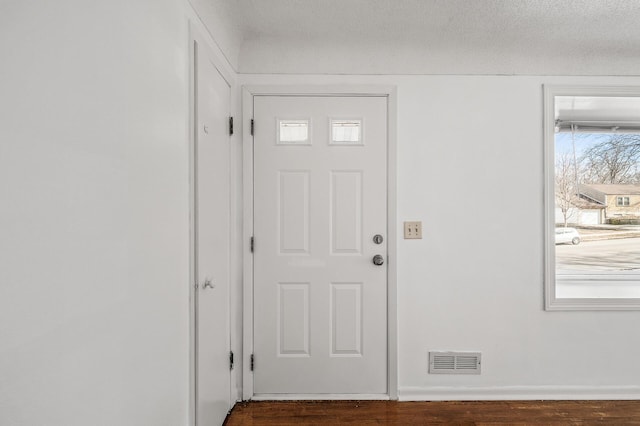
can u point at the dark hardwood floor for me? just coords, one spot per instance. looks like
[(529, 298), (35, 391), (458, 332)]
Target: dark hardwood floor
[(285, 413)]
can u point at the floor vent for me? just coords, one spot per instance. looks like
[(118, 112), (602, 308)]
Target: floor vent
[(454, 362)]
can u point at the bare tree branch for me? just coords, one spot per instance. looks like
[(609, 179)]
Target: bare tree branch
[(614, 160), (566, 185)]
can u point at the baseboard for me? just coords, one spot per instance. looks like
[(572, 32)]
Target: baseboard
[(514, 393), (329, 396)]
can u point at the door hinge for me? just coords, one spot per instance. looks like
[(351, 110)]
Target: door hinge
[(230, 126), (252, 244), (252, 127), (252, 362), (231, 360)]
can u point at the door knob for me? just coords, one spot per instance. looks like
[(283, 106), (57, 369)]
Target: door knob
[(378, 260), (207, 284)]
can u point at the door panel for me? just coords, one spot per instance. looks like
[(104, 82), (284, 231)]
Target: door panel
[(346, 212), (293, 211), (320, 188), (213, 377)]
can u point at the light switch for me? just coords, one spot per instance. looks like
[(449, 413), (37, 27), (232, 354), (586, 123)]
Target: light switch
[(412, 230)]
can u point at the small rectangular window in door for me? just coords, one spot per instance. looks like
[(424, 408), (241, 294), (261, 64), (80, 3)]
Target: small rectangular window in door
[(346, 132), (293, 132)]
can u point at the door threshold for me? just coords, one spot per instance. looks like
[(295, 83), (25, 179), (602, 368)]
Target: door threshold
[(320, 396)]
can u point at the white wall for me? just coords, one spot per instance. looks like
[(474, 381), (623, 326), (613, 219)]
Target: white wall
[(474, 282), (94, 246), (221, 18), (94, 264)]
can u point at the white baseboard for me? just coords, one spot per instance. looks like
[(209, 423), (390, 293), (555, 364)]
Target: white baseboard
[(493, 393), (328, 396)]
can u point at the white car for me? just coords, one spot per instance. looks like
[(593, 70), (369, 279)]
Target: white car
[(567, 235)]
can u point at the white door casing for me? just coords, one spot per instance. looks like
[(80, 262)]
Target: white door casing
[(320, 303), (211, 240)]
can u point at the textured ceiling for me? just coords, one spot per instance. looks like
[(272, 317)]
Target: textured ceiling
[(564, 37)]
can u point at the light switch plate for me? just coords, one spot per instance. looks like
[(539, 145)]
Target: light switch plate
[(412, 230)]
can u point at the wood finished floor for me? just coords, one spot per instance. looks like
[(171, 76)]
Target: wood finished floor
[(284, 413)]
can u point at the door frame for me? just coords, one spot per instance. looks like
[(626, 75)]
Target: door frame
[(248, 94), (197, 33)]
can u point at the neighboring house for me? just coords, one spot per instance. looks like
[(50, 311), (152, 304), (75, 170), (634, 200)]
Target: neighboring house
[(586, 212), (620, 201)]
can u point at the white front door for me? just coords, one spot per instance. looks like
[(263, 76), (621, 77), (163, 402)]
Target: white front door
[(211, 184), (320, 198)]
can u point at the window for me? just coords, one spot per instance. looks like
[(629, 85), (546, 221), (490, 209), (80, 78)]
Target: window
[(592, 179), (293, 132), (622, 201), (346, 132)]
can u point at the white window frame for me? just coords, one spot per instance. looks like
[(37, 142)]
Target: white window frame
[(552, 303)]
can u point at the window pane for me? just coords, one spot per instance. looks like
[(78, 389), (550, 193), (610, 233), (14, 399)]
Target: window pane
[(597, 197), (293, 132), (346, 132)]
